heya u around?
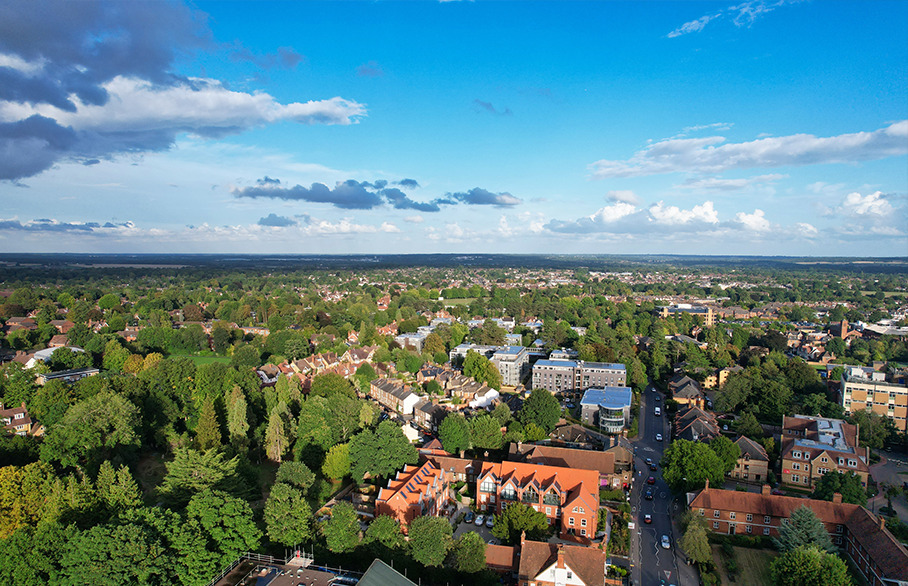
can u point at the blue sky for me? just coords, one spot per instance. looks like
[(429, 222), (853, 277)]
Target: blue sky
[(743, 127)]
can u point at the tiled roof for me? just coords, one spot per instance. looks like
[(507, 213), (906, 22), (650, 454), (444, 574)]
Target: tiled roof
[(772, 505), (501, 557), (587, 563), (602, 462), (575, 482), (890, 555), (752, 449)]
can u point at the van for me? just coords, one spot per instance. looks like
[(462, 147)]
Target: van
[(658, 411)]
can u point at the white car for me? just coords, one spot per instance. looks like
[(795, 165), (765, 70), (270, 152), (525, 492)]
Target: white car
[(666, 544), (480, 519), (658, 437)]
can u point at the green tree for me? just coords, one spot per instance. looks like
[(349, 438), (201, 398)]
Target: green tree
[(381, 452), (342, 529), (227, 523), (454, 433), (533, 433), (809, 564), (727, 451), (113, 555), (803, 528), (386, 531), (288, 517), (502, 413), (430, 540), (328, 384), (848, 484), (541, 408), (117, 489), (695, 544), (481, 369), (296, 474), (23, 494), (192, 471), (31, 557), (97, 429), (687, 465), (208, 430), (237, 417), (485, 432), (516, 519), (469, 553), (748, 425), (337, 462)]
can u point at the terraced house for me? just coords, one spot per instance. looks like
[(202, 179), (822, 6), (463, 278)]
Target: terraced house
[(416, 491), (568, 497)]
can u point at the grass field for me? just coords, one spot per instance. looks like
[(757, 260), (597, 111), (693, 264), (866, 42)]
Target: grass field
[(200, 360), (753, 566), (886, 293), (464, 301)]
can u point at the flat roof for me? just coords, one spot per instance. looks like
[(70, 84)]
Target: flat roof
[(610, 397)]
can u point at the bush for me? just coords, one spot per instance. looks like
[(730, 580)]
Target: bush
[(748, 541)]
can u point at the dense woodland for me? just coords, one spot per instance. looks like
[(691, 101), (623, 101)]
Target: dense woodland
[(174, 459)]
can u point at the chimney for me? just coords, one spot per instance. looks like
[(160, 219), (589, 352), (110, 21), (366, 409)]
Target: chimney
[(882, 522), (523, 539), (837, 497), (766, 490), (707, 485), (560, 563), (462, 453)]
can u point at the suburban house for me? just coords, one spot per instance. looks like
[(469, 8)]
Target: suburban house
[(694, 424), (609, 408), (415, 491), (394, 395), (549, 564), (613, 473), (686, 391), (568, 497), (858, 533), (455, 469), (427, 414), (15, 421), (813, 446), (753, 464), (67, 376)]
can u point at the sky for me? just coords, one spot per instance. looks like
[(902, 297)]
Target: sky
[(760, 127)]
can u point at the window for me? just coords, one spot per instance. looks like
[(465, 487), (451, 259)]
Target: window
[(852, 463), (731, 515), (487, 486), (583, 532), (795, 478), (551, 498), (796, 465), (766, 531), (838, 528), (583, 522), (796, 454), (766, 519), (824, 459), (701, 512), (574, 510), (530, 495), (750, 517), (548, 510), (508, 493), (582, 511), (570, 520), (716, 513), (841, 461), (748, 528), (715, 524)]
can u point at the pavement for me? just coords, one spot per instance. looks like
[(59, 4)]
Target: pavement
[(888, 470)]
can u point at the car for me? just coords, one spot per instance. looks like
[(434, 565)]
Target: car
[(652, 467), (651, 480), (658, 396), (490, 521), (648, 495), (480, 519), (569, 405), (647, 518), (666, 544), (493, 542), (468, 518), (658, 437), (649, 461)]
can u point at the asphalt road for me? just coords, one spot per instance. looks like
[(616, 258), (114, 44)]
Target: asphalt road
[(652, 563)]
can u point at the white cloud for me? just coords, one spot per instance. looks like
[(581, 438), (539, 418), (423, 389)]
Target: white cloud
[(709, 155), (720, 184), (755, 221), (662, 214), (713, 126), (415, 219), (625, 195), (694, 26), (743, 14), (872, 204), (807, 229), (613, 213)]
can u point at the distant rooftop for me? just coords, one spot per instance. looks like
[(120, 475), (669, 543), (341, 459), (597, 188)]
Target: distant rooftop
[(608, 397)]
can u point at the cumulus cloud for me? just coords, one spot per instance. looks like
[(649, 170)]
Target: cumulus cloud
[(743, 14), (625, 195), (872, 204), (364, 195), (479, 196), (87, 81), (756, 221), (53, 225), (710, 155), (721, 184), (407, 183), (674, 215), (482, 106), (806, 229), (276, 221)]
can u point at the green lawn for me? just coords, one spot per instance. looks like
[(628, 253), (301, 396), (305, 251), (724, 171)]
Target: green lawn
[(464, 301), (753, 566), (200, 360)]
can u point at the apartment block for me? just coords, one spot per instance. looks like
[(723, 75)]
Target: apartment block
[(866, 389), (416, 491), (569, 375)]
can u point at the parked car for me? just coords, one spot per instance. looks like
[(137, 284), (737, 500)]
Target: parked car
[(666, 544), (658, 437), (480, 519), (647, 518), (468, 518), (490, 521)]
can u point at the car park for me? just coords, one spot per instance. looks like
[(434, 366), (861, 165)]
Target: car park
[(666, 544), (658, 437), (480, 519), (647, 518), (468, 518)]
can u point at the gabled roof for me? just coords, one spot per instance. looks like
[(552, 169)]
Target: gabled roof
[(690, 390), (885, 550), (752, 449), (602, 462), (587, 563), (770, 504)]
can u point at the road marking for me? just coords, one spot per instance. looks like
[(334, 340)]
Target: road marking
[(668, 575)]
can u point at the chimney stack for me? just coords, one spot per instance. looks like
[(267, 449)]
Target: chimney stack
[(766, 490), (560, 562), (882, 522), (523, 539), (707, 485), (837, 497)]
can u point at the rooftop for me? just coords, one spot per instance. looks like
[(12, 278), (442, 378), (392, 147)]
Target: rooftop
[(609, 397)]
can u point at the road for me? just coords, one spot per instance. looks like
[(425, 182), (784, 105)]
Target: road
[(652, 563)]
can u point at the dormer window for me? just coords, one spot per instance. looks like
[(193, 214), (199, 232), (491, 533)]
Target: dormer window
[(796, 454)]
